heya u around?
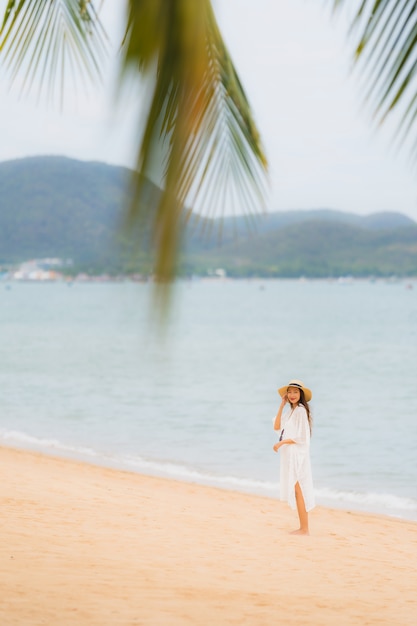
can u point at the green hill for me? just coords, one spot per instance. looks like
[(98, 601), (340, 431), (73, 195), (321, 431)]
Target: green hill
[(316, 248), (59, 207)]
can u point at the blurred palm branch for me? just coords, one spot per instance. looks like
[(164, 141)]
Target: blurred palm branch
[(385, 33), (46, 41), (197, 138)]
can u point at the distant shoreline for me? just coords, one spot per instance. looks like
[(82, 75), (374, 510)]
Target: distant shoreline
[(6, 278)]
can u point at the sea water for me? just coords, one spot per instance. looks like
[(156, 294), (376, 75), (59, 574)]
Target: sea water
[(84, 372)]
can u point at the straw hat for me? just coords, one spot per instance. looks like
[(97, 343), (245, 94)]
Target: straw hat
[(296, 383)]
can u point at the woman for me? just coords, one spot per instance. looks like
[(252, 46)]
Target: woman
[(296, 482)]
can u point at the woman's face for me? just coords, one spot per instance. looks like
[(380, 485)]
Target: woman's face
[(293, 395)]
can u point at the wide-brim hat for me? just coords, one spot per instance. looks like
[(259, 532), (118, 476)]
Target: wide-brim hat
[(296, 383)]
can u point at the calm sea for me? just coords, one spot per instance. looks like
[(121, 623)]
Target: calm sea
[(83, 374)]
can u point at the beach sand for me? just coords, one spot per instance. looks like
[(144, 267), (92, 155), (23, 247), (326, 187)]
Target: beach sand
[(86, 545)]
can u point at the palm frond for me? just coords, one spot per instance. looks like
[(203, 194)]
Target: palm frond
[(48, 40), (386, 48), (199, 137)]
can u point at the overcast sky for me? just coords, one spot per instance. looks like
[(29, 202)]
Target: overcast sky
[(294, 63)]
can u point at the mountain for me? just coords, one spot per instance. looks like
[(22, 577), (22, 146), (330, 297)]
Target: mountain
[(315, 243), (231, 229), (59, 207), (316, 248)]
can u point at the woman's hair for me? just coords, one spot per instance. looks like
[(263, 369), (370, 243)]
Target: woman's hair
[(304, 402)]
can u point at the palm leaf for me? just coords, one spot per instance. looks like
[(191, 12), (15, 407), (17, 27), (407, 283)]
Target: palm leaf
[(386, 47), (199, 138), (48, 40)]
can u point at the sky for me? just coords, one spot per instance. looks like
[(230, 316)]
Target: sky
[(294, 61)]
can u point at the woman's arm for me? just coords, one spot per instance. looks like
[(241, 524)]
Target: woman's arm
[(281, 443), (277, 422)]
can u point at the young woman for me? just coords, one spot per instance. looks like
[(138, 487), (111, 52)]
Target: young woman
[(296, 482)]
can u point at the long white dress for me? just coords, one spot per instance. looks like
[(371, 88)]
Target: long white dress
[(295, 458)]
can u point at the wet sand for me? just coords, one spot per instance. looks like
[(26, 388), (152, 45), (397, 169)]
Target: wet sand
[(86, 545)]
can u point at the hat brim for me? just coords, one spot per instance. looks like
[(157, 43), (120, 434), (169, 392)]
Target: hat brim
[(307, 392)]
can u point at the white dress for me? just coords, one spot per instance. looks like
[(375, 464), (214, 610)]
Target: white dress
[(295, 458)]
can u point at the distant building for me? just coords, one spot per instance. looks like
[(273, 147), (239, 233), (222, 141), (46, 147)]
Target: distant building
[(40, 270)]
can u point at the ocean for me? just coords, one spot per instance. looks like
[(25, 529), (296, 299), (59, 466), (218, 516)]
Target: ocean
[(86, 373)]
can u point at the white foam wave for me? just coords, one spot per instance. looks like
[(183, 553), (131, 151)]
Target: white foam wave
[(371, 499), (388, 504), (44, 443), (162, 468), (183, 472)]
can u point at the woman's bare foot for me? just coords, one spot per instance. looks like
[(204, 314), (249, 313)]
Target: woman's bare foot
[(300, 531)]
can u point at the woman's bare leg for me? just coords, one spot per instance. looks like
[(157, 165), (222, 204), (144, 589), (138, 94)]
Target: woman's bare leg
[(302, 513)]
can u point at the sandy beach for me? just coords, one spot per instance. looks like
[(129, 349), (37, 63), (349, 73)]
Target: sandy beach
[(88, 545)]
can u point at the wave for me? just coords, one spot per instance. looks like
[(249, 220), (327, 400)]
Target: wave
[(371, 501), (385, 503), (30, 441)]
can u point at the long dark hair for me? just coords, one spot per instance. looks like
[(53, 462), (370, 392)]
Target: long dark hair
[(304, 402)]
